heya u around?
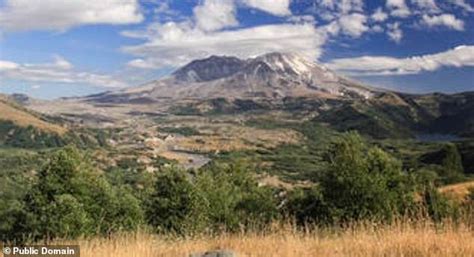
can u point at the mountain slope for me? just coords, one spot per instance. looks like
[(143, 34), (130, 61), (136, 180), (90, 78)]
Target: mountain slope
[(22, 128), (11, 112), (282, 82), (274, 76)]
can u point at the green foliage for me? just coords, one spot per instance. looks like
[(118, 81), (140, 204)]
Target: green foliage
[(27, 137), (365, 182), (308, 206), (12, 189), (372, 119), (361, 182), (453, 170), (234, 197), (221, 197), (69, 199), (176, 204), (467, 207), (439, 206)]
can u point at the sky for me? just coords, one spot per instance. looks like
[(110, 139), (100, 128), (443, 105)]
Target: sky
[(61, 48)]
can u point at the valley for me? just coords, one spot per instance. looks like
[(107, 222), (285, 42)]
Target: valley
[(234, 128), (225, 146), (221, 105)]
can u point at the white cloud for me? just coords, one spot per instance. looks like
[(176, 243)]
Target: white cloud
[(6, 65), (428, 5), (353, 25), (398, 8), (463, 4), (174, 44), (376, 29), (383, 65), (330, 10), (301, 19), (275, 7), (379, 15), (59, 71), (447, 20), (394, 32), (63, 14), (215, 14), (161, 10), (342, 6)]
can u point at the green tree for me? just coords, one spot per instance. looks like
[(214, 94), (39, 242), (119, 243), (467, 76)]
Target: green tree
[(308, 206), (234, 197), (453, 170), (221, 197), (176, 205), (70, 199), (364, 182)]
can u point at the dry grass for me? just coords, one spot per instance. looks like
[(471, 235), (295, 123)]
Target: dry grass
[(24, 119), (457, 191), (361, 240)]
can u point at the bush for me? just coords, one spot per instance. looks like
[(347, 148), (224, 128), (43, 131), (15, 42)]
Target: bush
[(452, 169), (176, 205), (307, 206), (70, 199), (234, 197), (217, 198), (365, 182), (360, 182), (439, 206)]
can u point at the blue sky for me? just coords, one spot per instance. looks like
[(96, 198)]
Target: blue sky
[(56, 48)]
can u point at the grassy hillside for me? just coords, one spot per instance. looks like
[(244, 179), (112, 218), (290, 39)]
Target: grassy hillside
[(23, 118)]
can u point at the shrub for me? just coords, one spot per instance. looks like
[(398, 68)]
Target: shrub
[(70, 199), (360, 182), (452, 169), (439, 206), (308, 206), (217, 198), (365, 182), (176, 205), (234, 197)]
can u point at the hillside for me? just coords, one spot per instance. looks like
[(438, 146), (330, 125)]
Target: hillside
[(12, 112)]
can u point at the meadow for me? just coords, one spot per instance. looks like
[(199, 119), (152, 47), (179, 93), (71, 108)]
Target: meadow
[(422, 238)]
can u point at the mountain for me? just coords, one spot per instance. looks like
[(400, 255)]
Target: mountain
[(283, 82), (273, 75)]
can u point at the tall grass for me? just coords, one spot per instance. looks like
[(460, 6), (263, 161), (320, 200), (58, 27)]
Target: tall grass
[(402, 238)]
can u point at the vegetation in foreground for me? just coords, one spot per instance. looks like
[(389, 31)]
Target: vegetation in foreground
[(69, 199), (362, 240)]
